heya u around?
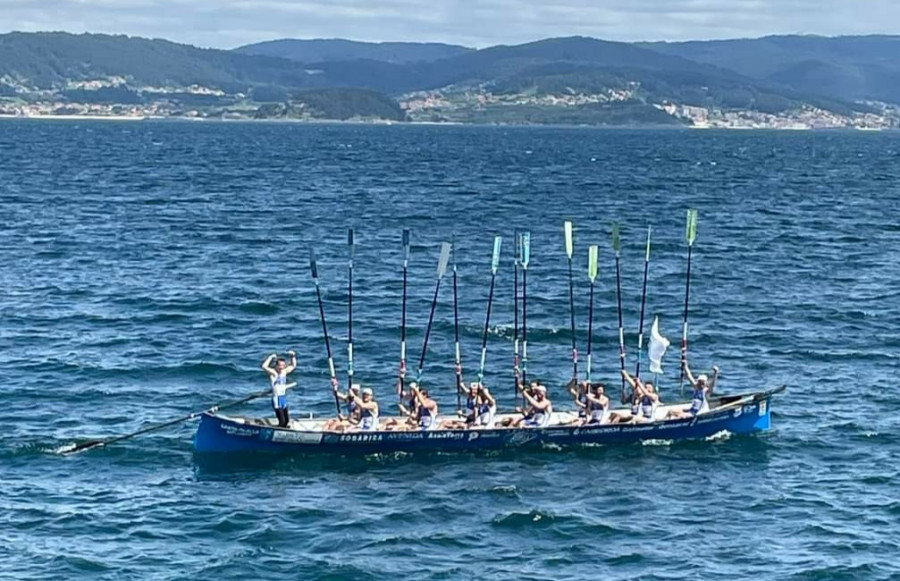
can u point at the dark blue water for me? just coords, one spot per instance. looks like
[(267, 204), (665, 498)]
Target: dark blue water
[(146, 269)]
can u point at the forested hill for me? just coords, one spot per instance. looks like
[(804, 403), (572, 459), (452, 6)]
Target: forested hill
[(561, 80), (844, 67), (337, 49)]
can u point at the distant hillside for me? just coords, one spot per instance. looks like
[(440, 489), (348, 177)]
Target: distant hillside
[(845, 67), (50, 59), (764, 83), (326, 50)]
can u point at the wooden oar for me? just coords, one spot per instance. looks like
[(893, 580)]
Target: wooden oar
[(526, 258), (690, 235), (156, 427), (456, 331), (569, 250), (616, 242), (637, 372), (593, 251), (351, 244), (334, 381), (441, 271), (403, 317), (495, 264), (516, 260)]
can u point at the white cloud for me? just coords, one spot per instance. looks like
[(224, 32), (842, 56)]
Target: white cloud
[(228, 23)]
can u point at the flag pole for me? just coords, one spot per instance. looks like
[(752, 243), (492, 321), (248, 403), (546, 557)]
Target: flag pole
[(690, 235)]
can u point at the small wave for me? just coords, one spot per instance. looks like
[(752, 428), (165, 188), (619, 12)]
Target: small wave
[(519, 520), (657, 442), (721, 435)]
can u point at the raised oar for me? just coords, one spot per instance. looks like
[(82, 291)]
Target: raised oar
[(403, 316), (351, 244), (637, 372), (526, 258), (495, 264), (592, 275), (569, 250), (441, 271), (156, 427), (334, 381), (517, 258), (690, 235), (456, 332), (616, 241)]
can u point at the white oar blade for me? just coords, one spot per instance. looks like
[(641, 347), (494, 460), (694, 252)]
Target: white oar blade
[(518, 244), (526, 248), (649, 231), (444, 259), (569, 243), (495, 260), (593, 252)]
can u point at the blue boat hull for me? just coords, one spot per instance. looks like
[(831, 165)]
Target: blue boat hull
[(738, 414)]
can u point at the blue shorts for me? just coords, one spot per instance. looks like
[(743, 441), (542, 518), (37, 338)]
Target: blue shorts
[(279, 402)]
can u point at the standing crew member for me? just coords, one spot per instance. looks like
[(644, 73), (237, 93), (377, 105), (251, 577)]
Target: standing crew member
[(278, 377), (703, 388)]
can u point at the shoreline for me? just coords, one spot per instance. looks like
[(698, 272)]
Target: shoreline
[(124, 118)]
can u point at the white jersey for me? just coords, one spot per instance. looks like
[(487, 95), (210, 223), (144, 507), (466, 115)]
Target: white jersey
[(279, 384)]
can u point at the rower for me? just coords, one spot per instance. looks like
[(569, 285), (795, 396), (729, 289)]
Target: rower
[(703, 388), (278, 377), (427, 409), (408, 409), (353, 412), (486, 408), (579, 393), (469, 414), (646, 398), (540, 408), (368, 411), (597, 406)]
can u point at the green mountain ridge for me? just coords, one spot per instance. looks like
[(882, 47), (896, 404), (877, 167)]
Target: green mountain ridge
[(572, 79)]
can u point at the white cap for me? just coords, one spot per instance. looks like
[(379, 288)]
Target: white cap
[(366, 391), (473, 385), (702, 378), (540, 388), (355, 387)]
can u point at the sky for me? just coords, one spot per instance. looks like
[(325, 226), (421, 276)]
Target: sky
[(476, 23)]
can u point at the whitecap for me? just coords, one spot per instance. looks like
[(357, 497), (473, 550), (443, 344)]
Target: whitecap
[(720, 435), (657, 442)]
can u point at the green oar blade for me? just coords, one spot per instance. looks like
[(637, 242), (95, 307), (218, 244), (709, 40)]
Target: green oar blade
[(569, 243), (691, 228), (649, 231), (593, 252)]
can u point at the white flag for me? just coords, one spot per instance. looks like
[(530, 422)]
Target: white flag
[(658, 346)]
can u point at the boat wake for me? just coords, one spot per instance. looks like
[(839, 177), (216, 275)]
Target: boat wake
[(657, 442), (719, 436)]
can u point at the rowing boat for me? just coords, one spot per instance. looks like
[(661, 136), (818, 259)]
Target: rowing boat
[(737, 414)]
